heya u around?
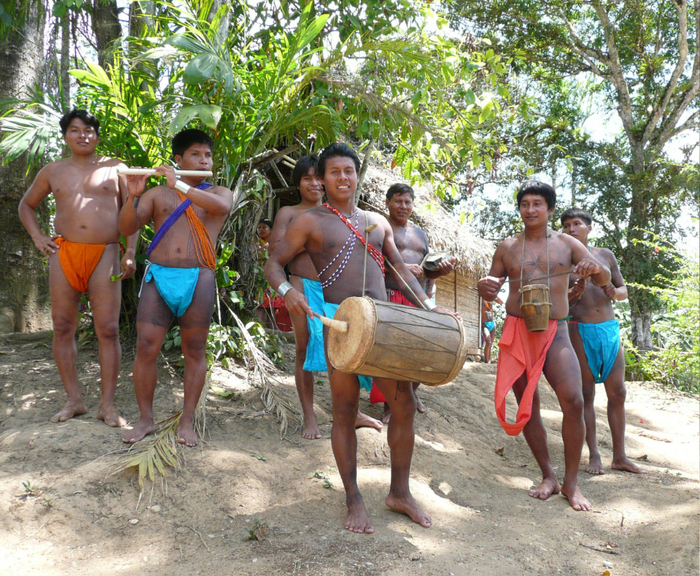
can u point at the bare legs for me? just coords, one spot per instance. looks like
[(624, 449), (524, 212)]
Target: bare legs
[(616, 393), (488, 343), (105, 297), (345, 390), (567, 386), (153, 320)]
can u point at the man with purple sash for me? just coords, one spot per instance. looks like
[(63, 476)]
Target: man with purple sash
[(179, 281)]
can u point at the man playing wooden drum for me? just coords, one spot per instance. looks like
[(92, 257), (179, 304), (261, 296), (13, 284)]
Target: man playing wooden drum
[(334, 235), (540, 255)]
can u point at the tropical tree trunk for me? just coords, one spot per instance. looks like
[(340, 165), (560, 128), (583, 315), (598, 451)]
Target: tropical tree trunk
[(105, 24), (24, 290)]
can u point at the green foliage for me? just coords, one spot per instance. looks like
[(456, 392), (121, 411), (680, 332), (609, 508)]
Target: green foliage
[(675, 358)]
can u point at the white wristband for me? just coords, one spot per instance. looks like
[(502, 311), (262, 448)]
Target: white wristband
[(283, 288), (429, 304), (182, 187)]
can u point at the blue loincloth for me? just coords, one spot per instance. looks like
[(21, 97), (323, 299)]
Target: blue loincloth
[(175, 285), (601, 343), (490, 325), (329, 311), (315, 352)]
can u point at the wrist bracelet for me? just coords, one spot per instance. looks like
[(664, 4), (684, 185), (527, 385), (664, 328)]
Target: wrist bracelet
[(182, 187), (429, 304), (283, 288)]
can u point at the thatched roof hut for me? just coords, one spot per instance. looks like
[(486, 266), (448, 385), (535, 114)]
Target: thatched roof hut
[(457, 290)]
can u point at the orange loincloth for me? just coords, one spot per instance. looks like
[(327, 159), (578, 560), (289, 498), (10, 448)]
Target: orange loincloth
[(78, 261), (520, 351)]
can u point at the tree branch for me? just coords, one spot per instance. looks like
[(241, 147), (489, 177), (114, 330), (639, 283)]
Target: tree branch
[(662, 105), (616, 73)]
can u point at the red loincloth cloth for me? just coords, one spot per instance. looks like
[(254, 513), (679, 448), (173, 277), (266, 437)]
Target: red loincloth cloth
[(78, 261), (520, 351), (375, 395)]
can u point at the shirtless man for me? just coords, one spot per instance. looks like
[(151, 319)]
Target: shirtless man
[(526, 258), (308, 332), (179, 280), (338, 253), (83, 255), (488, 327), (595, 335), (412, 244)]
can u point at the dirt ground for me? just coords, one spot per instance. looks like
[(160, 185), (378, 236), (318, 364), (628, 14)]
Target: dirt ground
[(61, 512)]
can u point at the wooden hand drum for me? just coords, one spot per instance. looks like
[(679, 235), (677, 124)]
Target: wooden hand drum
[(399, 342), (535, 307)]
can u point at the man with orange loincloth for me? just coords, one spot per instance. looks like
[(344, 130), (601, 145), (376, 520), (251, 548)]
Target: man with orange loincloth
[(537, 256), (179, 279), (308, 332), (334, 235), (83, 256), (595, 335), (412, 244)]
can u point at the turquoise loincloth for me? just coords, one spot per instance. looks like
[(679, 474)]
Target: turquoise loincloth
[(601, 343), (175, 285), (315, 352)]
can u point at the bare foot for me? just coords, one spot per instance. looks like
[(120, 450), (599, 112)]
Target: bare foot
[(311, 430), (548, 487), (186, 434), (595, 465), (357, 519), (141, 428), (70, 408), (408, 505), (577, 500), (363, 420), (387, 413), (110, 416), (419, 405), (626, 465)]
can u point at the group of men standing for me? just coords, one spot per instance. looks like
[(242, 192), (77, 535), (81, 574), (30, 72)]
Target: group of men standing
[(325, 248)]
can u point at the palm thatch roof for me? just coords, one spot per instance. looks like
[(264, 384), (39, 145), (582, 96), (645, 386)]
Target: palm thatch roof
[(444, 231)]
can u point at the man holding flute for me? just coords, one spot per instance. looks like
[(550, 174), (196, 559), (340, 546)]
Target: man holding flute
[(82, 256), (179, 280)]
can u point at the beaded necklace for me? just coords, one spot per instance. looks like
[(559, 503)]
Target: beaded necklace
[(376, 254), (348, 247)]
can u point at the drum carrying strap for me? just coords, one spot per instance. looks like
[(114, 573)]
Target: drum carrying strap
[(522, 261)]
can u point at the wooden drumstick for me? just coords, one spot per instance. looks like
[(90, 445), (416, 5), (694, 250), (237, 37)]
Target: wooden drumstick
[(152, 171), (338, 325)]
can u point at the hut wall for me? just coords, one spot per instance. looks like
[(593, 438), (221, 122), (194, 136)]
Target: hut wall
[(457, 291)]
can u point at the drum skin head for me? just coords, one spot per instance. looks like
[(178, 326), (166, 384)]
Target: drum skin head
[(347, 351)]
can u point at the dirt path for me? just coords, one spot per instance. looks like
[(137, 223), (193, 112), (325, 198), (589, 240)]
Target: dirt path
[(73, 516)]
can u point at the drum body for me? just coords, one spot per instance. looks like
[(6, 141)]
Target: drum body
[(389, 340), (535, 305)]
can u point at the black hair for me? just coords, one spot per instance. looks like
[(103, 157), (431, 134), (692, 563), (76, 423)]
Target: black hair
[(400, 189), (333, 151), (267, 222), (576, 213), (540, 189), (185, 138), (302, 167), (84, 115)]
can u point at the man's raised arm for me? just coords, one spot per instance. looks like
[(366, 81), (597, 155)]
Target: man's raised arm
[(489, 286), (217, 200), (293, 243), (586, 265), (138, 207)]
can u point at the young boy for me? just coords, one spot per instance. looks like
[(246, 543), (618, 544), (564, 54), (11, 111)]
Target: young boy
[(595, 335), (179, 280), (83, 256), (535, 256)]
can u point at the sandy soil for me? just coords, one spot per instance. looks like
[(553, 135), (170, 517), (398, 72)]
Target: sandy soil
[(76, 517)]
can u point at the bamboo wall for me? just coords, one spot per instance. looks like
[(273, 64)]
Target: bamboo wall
[(457, 291)]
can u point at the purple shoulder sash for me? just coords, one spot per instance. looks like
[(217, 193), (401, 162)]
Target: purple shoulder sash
[(170, 220)]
